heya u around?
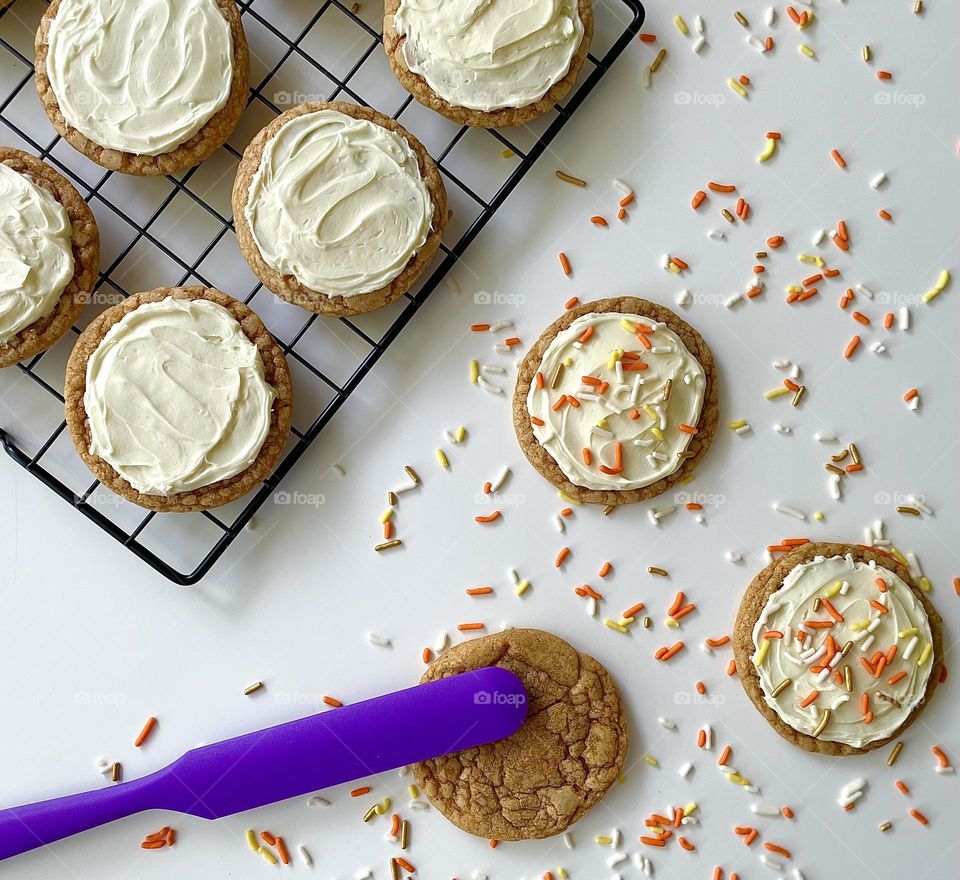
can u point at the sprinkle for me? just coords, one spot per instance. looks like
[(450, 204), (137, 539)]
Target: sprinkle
[(894, 754), (789, 511), (804, 49), (387, 545), (681, 24), (658, 60), (252, 688), (145, 732), (923, 820), (568, 178), (269, 856), (739, 89), (768, 150), (838, 158)]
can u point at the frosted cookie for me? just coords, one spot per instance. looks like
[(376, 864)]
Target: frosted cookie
[(491, 64), (837, 647), (178, 399), (338, 208), (152, 87), (49, 255), (559, 764), (617, 401)]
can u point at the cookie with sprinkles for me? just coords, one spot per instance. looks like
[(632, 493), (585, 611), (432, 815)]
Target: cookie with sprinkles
[(561, 762), (617, 401), (837, 647)]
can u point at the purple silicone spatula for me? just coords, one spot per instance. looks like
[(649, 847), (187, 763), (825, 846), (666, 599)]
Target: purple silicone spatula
[(291, 759)]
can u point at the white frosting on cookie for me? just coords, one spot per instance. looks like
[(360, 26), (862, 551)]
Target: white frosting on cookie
[(338, 203), (489, 54), (603, 389), (176, 397), (810, 652), (141, 77), (36, 258)]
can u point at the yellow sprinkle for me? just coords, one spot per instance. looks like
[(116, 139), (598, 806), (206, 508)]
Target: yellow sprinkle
[(806, 258), (793, 288), (943, 279), (925, 654), (460, 435), (568, 499), (562, 872), (761, 654), (386, 516), (601, 423), (671, 622), (806, 50), (674, 268), (269, 856), (925, 584), (737, 778), (442, 458), (252, 840), (866, 53), (681, 25), (739, 89), (898, 555), (773, 393), (687, 479), (690, 808), (382, 807), (628, 326), (474, 372), (651, 760), (739, 423), (768, 150), (833, 589), (819, 516), (619, 627), (568, 361), (650, 411), (602, 840), (906, 633), (506, 154), (658, 434), (413, 791), (522, 587), (931, 295), (858, 625)]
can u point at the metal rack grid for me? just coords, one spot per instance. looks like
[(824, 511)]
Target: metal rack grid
[(150, 229)]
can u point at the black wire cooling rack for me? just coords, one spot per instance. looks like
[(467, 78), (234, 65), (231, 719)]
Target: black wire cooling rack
[(178, 230)]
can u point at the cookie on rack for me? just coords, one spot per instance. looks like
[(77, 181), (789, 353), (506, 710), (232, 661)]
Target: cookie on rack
[(563, 760), (49, 255), (147, 88), (492, 66), (338, 208), (837, 647), (617, 401), (178, 399)]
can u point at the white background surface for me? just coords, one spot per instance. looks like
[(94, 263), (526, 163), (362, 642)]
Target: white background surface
[(93, 641)]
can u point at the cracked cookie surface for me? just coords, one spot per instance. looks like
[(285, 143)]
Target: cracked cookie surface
[(561, 762)]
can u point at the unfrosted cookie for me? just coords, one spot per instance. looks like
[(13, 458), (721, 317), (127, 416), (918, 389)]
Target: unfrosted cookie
[(338, 208), (617, 401), (490, 66), (152, 87), (561, 762), (49, 255), (823, 609), (178, 399)]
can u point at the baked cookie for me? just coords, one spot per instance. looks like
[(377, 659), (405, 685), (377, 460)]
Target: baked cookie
[(561, 762), (495, 67), (821, 613), (148, 88), (178, 399), (49, 255), (338, 209), (617, 401)]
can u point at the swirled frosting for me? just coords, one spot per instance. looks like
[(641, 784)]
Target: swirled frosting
[(489, 54), (801, 641), (616, 400), (176, 397), (36, 258), (338, 203), (140, 77)]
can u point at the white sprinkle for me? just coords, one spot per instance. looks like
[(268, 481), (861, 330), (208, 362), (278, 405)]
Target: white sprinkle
[(502, 349), (592, 607), (623, 187), (698, 45), (616, 837), (833, 484), (911, 647), (617, 858), (731, 301), (771, 862), (878, 181), (877, 347), (863, 290), (451, 283), (789, 511), (764, 810), (404, 487), (364, 874), (317, 801), (708, 736), (441, 643), (919, 503), (770, 16), (493, 369), (682, 299), (500, 325), (685, 770), (743, 429), (500, 480), (756, 42), (903, 318), (404, 771), (818, 236), (825, 437), (948, 769), (339, 469), (645, 77), (489, 386), (698, 24), (782, 429), (854, 785), (667, 723), (716, 234), (568, 840), (558, 522), (652, 516), (420, 806), (380, 641), (798, 874), (733, 556), (305, 856)]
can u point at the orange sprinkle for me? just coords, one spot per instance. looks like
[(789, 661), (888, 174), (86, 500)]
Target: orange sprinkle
[(701, 688), (751, 837), (717, 643), (809, 698), (357, 792), (587, 456), (152, 844), (403, 863), (268, 838), (775, 241), (282, 851), (724, 756), (885, 215), (888, 320), (851, 347), (687, 429), (564, 263), (831, 273), (787, 812), (479, 591), (680, 264), (838, 158), (598, 221), (563, 554), (743, 79), (692, 505), (388, 530), (794, 15), (941, 756), (633, 611), (897, 676), (879, 606), (333, 702), (540, 379), (902, 787), (534, 420), (469, 627), (427, 655), (862, 318), (512, 341), (479, 328), (923, 820), (853, 468), (836, 615), (907, 397), (567, 511), (494, 844), (689, 847), (654, 841), (697, 199), (732, 668), (626, 200), (840, 242), (671, 651), (721, 187), (489, 518), (884, 74), (779, 850), (570, 304), (773, 634), (701, 738), (145, 732), (586, 334), (648, 38), (605, 569)]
